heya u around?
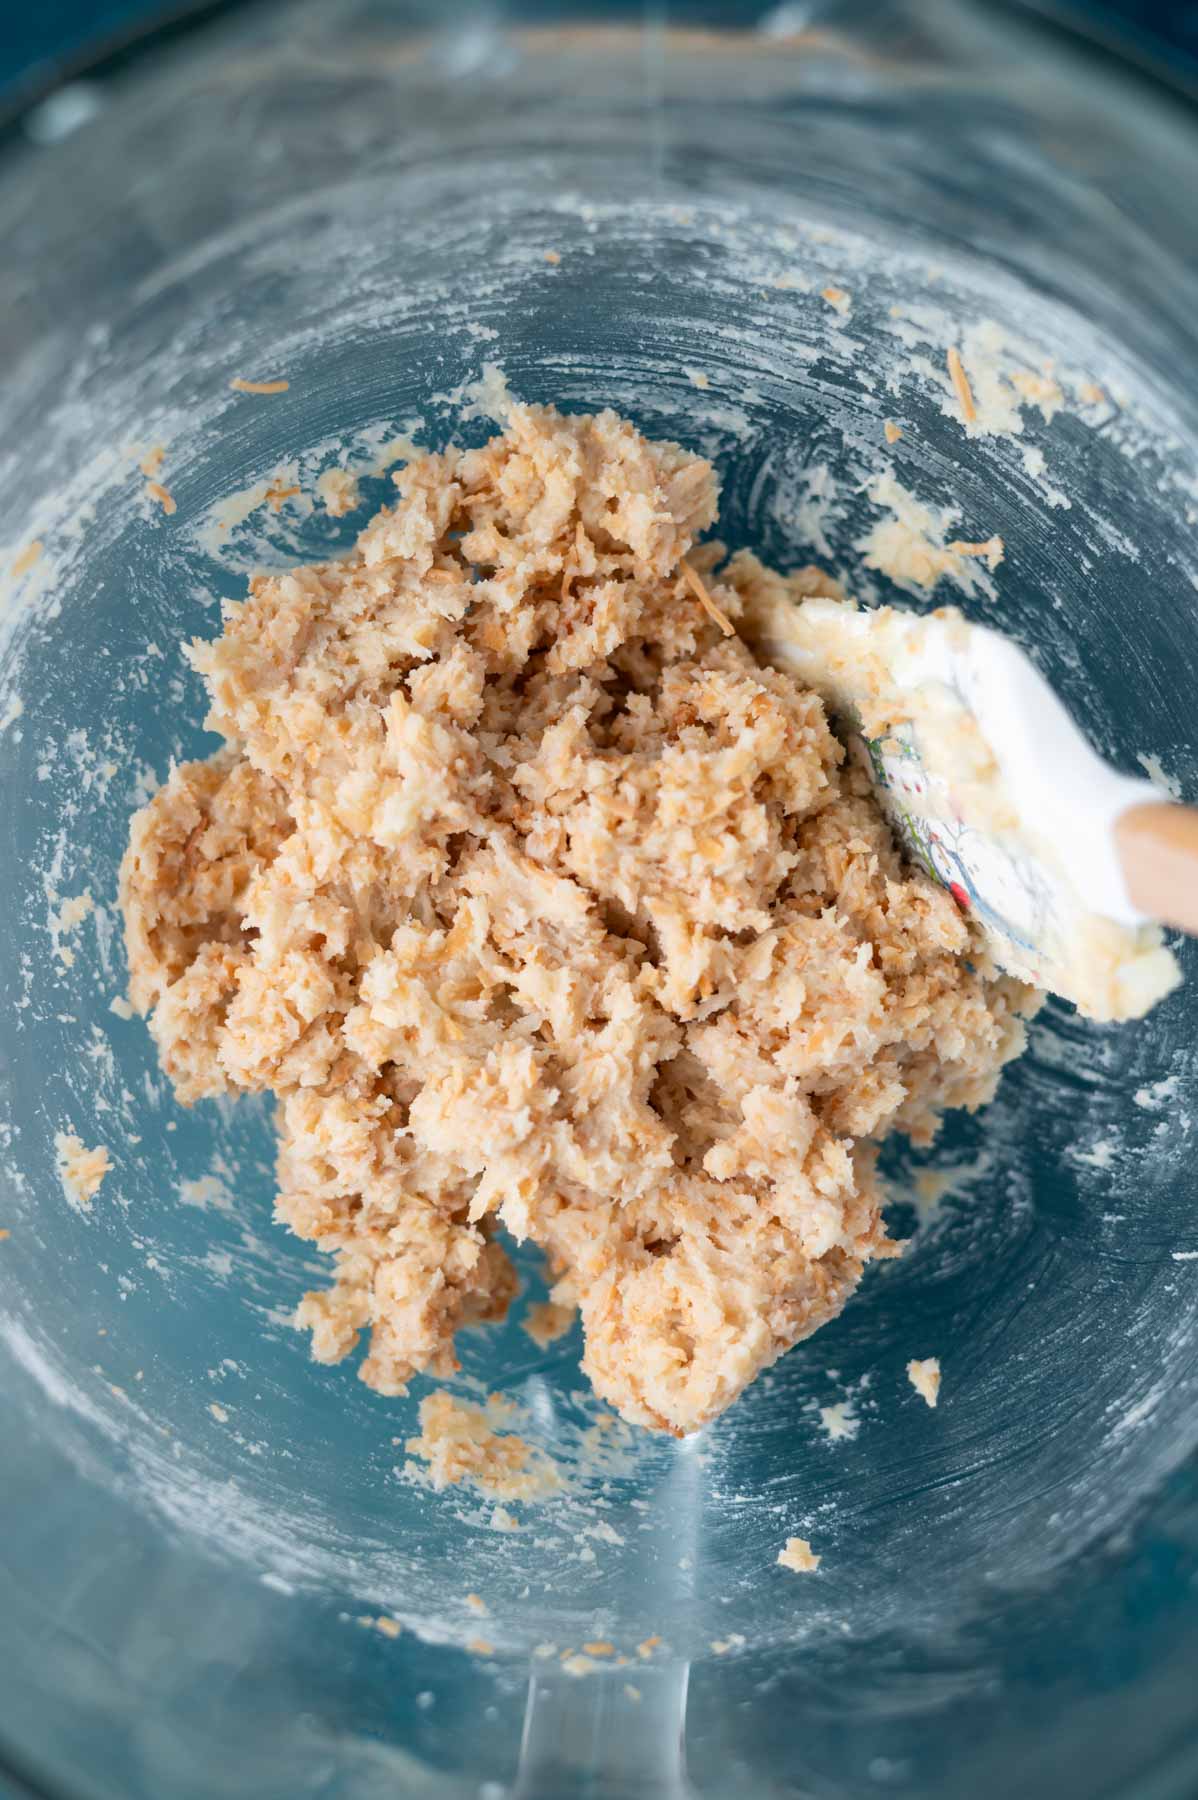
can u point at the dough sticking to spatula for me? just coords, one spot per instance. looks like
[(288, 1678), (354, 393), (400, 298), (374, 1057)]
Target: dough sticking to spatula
[(1066, 865)]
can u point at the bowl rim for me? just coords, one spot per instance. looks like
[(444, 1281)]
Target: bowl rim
[(1121, 47)]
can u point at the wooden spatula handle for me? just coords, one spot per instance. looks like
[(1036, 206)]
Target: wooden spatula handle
[(1158, 853)]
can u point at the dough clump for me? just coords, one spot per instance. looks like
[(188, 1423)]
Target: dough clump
[(924, 1375), (539, 903), (798, 1555)]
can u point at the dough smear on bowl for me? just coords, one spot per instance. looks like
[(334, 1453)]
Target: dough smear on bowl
[(540, 904)]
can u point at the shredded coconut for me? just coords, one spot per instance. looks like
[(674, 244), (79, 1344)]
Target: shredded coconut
[(960, 381), (242, 386)]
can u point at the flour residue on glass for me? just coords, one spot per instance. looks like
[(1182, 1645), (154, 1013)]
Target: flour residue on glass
[(300, 1483)]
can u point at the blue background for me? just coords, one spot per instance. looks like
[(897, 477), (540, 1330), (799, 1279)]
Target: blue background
[(41, 41)]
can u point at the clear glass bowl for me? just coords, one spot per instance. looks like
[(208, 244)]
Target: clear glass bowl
[(198, 1528)]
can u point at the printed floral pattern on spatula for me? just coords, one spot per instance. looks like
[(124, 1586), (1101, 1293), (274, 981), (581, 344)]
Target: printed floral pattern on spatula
[(1004, 889)]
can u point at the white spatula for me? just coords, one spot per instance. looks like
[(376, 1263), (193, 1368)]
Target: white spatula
[(1065, 864)]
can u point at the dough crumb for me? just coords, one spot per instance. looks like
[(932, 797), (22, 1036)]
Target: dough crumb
[(338, 492), (120, 1006), (552, 256), (242, 386), (458, 1442), (892, 432), (72, 912), (279, 492), (798, 1556), (924, 1376), (600, 1647), (81, 1170), (152, 461), (480, 1646), (721, 1646), (909, 547), (389, 1627), (840, 1422), (477, 1604), (219, 1413), (166, 500), (27, 558), (838, 299), (1043, 391), (4, 1233), (546, 1321), (648, 1646), (576, 1664), (992, 549)]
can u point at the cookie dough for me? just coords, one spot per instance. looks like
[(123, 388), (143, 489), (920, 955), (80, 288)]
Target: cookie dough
[(924, 1375), (461, 1441), (798, 1555), (80, 1170), (542, 907)]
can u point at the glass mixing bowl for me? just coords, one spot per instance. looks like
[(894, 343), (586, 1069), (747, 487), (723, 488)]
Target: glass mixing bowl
[(199, 1529)]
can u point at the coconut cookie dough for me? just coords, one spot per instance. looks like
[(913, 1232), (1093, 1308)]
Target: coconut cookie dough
[(539, 904)]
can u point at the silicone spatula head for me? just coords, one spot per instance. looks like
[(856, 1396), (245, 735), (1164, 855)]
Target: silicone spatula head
[(989, 785)]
